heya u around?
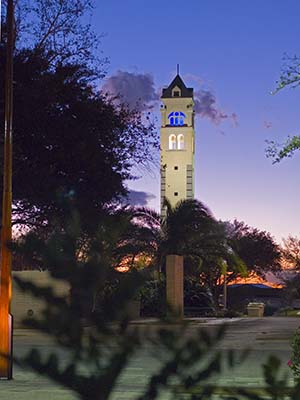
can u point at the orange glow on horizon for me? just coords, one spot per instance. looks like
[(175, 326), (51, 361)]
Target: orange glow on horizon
[(139, 261), (255, 279)]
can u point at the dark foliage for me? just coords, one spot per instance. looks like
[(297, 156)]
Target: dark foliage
[(289, 77), (291, 289), (189, 229), (68, 140), (60, 28), (196, 295), (98, 355), (291, 252), (257, 249), (153, 298)]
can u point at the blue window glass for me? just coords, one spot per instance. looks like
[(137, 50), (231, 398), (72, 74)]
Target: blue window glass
[(176, 118)]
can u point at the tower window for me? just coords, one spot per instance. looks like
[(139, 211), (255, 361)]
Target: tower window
[(172, 142), (175, 193), (176, 168), (180, 142), (176, 92), (176, 118)]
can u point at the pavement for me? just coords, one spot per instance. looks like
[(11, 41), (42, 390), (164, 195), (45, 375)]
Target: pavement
[(264, 336)]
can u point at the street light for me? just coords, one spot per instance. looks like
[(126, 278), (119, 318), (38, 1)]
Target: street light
[(6, 235)]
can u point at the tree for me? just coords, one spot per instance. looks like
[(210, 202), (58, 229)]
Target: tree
[(278, 151), (289, 77), (188, 229), (251, 252), (63, 128), (291, 288), (256, 248), (94, 359), (105, 349), (61, 29), (291, 252), (69, 140)]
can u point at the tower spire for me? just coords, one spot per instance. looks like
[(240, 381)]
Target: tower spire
[(177, 69)]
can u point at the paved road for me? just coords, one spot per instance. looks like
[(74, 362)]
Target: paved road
[(265, 336)]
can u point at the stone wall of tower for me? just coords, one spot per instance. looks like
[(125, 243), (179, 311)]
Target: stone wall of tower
[(177, 165), (177, 179)]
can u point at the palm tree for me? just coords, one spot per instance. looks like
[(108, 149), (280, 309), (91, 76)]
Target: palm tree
[(177, 233), (188, 229)]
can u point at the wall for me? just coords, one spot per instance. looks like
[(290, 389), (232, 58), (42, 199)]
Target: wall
[(23, 304), (181, 179)]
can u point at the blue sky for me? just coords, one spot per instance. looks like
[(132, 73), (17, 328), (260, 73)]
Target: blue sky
[(235, 49)]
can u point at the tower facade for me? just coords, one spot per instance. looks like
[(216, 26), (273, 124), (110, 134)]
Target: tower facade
[(177, 143)]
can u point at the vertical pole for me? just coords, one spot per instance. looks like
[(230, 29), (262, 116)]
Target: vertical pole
[(225, 292), (6, 234), (225, 285)]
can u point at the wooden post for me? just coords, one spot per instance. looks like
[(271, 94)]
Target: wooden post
[(6, 235), (174, 274)]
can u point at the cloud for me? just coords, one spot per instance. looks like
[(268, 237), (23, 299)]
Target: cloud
[(139, 92), (135, 90), (138, 198), (268, 124), (206, 106), (194, 78)]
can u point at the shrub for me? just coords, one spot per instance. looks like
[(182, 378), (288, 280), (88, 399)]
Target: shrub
[(196, 295), (153, 298), (294, 362), (98, 356), (270, 310)]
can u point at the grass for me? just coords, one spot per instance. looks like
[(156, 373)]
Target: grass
[(289, 313)]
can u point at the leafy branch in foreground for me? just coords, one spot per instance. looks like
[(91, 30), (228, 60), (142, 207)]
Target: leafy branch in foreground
[(278, 151), (290, 73), (289, 76), (100, 344)]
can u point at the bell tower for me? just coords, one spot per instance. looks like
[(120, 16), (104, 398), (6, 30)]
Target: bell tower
[(177, 143)]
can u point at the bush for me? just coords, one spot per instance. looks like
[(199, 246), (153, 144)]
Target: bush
[(284, 311), (294, 362), (153, 298), (94, 359), (270, 310), (228, 314), (196, 295)]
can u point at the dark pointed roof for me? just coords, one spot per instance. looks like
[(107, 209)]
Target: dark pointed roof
[(177, 81)]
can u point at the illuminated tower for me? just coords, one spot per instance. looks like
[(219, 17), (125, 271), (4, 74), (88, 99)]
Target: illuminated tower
[(177, 143)]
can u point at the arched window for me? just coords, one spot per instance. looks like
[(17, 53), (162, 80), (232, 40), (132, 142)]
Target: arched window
[(176, 118), (172, 142), (180, 142)]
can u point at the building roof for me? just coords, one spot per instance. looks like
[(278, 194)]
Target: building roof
[(177, 81), (258, 285)]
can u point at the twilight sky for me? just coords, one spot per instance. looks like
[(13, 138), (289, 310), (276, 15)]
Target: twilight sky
[(231, 53)]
